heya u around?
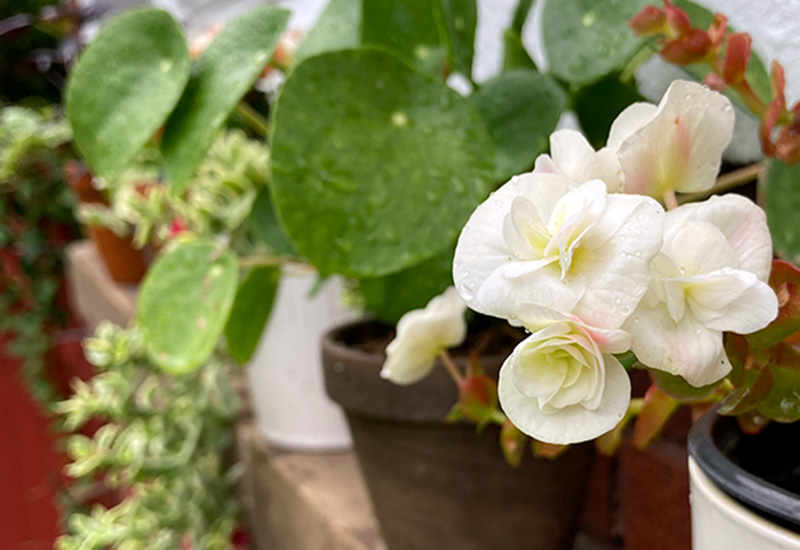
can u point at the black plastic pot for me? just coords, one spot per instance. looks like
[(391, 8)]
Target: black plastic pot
[(439, 486), (761, 472)]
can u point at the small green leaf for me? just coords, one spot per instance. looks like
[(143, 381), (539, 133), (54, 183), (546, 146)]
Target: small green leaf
[(375, 166), (520, 108), (184, 303), (457, 20), (250, 312), (598, 104), (391, 296), (515, 56), (125, 84), (782, 203), (264, 225), (678, 388), (406, 28), (783, 401), (222, 75), (587, 39)]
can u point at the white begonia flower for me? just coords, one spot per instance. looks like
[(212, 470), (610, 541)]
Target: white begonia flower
[(710, 276), (540, 240), (561, 384), (421, 335), (676, 146), (573, 157)]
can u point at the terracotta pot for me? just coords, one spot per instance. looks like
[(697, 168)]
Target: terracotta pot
[(745, 489), (442, 486), (125, 263)]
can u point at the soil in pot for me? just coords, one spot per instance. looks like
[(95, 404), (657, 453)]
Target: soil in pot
[(442, 486)]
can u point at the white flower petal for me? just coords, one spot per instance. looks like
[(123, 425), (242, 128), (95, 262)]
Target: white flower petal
[(743, 224), (686, 348), (754, 307), (681, 147), (572, 154), (482, 248), (572, 424), (629, 121), (699, 248)]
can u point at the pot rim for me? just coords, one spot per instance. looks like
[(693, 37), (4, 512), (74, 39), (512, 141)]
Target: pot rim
[(769, 500)]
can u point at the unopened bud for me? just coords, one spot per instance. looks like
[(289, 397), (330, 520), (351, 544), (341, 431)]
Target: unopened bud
[(714, 82), (717, 30), (690, 48), (651, 21), (737, 55), (677, 19)]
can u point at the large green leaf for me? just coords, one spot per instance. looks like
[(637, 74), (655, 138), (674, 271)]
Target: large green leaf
[(520, 108), (224, 72), (515, 56), (587, 39), (250, 312), (782, 203), (124, 86), (599, 103), (783, 401), (375, 166), (184, 303), (457, 21), (406, 28), (338, 28), (391, 296)]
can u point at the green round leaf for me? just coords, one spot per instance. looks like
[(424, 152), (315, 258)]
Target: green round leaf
[(338, 28), (250, 312), (678, 388), (458, 20), (184, 304), (375, 166), (222, 75), (391, 296), (783, 401), (125, 84), (520, 108), (586, 39), (598, 104)]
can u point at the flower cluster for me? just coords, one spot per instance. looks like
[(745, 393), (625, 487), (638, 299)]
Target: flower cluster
[(581, 253)]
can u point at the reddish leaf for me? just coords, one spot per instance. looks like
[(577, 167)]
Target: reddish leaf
[(737, 55), (774, 110), (785, 280), (657, 409), (648, 22), (689, 48), (677, 19)]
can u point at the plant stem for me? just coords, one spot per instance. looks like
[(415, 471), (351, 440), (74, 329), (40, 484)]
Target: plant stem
[(253, 119), (451, 367), (669, 200), (726, 182)]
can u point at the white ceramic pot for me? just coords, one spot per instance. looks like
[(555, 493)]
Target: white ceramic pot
[(721, 523), (286, 382), (740, 486)]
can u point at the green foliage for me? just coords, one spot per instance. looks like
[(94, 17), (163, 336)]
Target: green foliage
[(587, 39), (782, 403), (457, 20), (263, 224), (520, 108), (184, 303), (35, 225), (250, 312), (678, 388), (391, 296), (781, 185), (125, 84), (403, 163), (222, 75), (162, 447), (338, 28), (599, 103), (406, 28)]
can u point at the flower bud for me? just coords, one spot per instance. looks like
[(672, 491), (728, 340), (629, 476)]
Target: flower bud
[(717, 29), (677, 19), (688, 48), (774, 109), (651, 21), (737, 55)]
